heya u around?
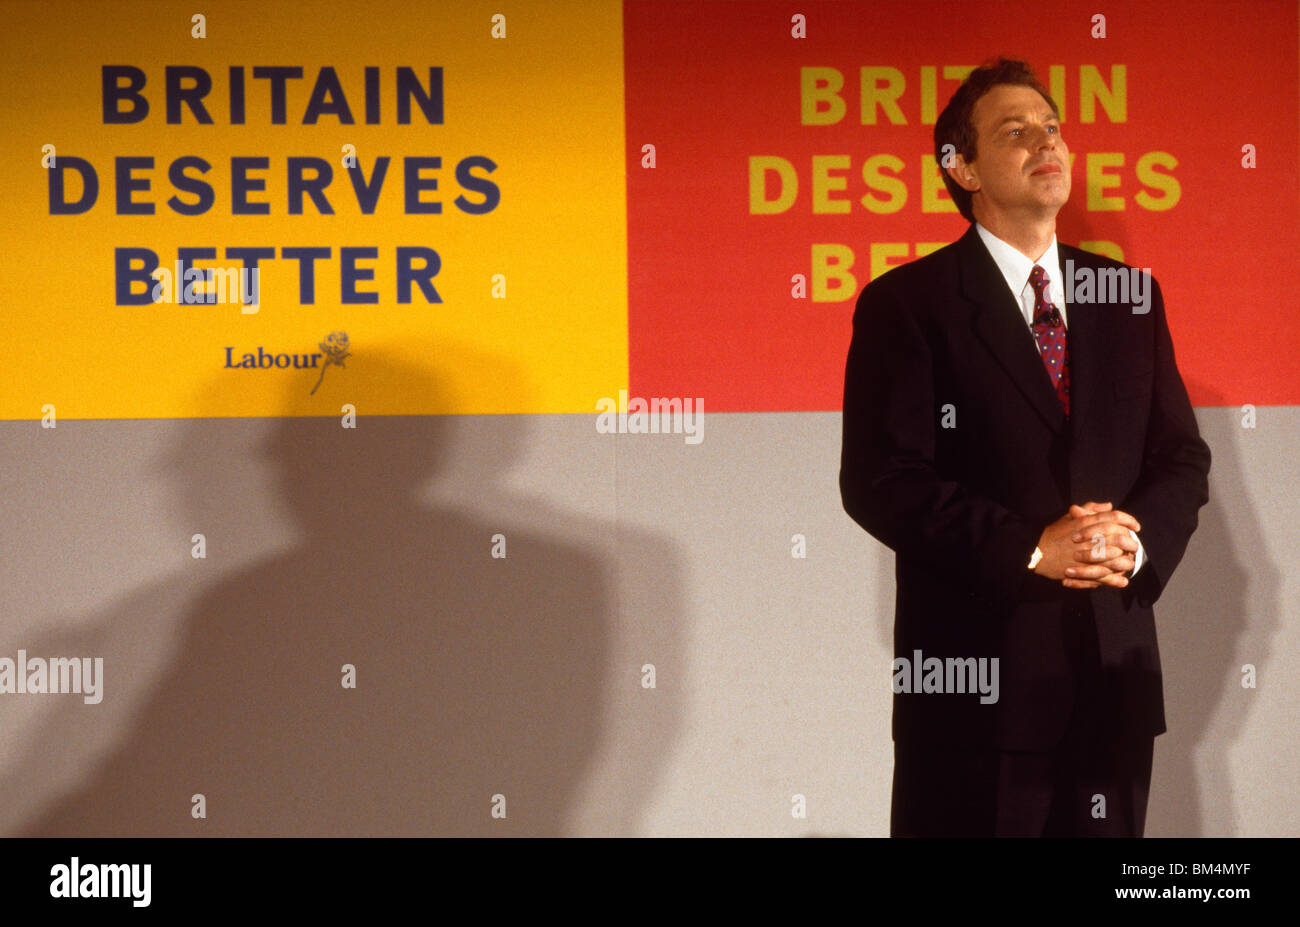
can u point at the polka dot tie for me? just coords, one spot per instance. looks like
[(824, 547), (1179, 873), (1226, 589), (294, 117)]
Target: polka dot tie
[(1049, 332)]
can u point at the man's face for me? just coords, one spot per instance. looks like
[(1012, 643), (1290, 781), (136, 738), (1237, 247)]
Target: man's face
[(1022, 165)]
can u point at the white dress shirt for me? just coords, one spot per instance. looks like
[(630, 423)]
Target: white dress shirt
[(1015, 268)]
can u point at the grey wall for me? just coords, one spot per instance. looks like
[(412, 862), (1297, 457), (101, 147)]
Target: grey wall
[(523, 676)]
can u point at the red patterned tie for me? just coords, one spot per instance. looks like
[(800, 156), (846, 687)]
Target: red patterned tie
[(1049, 332)]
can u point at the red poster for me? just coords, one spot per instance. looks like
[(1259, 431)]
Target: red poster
[(780, 158)]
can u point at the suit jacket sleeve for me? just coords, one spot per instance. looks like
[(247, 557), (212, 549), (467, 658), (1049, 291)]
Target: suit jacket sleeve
[(1173, 483), (888, 480)]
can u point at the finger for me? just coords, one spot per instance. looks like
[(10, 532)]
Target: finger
[(1117, 561), (1104, 547), (1127, 520), (1093, 520), (1110, 525), (1089, 508), (1115, 580), (1120, 565), (1092, 571), (1106, 530), (1117, 515), (1093, 555)]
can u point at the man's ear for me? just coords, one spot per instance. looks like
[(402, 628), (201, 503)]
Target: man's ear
[(964, 174)]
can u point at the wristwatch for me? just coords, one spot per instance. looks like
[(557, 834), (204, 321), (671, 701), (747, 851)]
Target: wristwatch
[(1038, 555)]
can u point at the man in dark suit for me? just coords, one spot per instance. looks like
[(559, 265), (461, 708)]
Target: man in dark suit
[(1035, 464)]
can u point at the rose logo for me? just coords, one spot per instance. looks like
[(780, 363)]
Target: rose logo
[(335, 347)]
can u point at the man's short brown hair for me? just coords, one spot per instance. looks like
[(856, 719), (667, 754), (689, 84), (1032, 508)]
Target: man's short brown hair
[(955, 126)]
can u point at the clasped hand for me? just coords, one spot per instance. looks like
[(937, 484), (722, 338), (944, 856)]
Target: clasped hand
[(1094, 534)]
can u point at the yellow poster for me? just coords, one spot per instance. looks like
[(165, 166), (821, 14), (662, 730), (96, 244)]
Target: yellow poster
[(268, 209)]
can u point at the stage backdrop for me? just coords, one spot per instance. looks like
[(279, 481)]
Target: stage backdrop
[(321, 319), (677, 199)]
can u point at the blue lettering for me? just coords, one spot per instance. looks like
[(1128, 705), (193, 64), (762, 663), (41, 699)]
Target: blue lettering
[(127, 275), (351, 274)]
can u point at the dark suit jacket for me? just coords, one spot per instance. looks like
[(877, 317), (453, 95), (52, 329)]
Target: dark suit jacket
[(964, 507)]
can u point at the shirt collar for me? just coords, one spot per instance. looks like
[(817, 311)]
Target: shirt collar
[(1015, 267)]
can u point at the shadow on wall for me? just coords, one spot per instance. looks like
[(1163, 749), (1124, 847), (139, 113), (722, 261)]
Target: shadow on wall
[(1219, 611), (475, 676)]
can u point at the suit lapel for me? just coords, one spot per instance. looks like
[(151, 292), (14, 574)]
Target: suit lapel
[(1001, 327)]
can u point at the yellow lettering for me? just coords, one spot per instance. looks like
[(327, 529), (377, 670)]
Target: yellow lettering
[(929, 95), (892, 186), (823, 183), (1104, 248), (882, 251), (886, 96), (1092, 90), (832, 262), (1165, 183), (934, 195), (818, 86), (1099, 181), (759, 204)]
